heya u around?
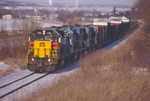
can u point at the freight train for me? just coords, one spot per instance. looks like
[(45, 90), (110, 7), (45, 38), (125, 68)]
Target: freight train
[(51, 48)]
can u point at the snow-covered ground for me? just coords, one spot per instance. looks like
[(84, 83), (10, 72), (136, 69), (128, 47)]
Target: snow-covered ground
[(3, 65), (46, 81)]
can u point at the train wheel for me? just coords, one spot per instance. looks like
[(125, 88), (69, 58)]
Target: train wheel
[(39, 70), (48, 69), (31, 67)]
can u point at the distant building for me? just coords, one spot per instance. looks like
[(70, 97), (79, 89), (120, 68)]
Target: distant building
[(87, 19), (36, 18), (8, 16), (100, 21), (35, 9), (51, 16), (112, 20), (118, 20)]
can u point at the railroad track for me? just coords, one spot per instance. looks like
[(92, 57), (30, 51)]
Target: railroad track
[(16, 80), (9, 85)]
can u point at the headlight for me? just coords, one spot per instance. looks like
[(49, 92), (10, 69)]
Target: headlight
[(49, 60), (32, 59)]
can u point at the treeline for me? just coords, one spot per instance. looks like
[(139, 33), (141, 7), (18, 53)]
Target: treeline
[(143, 11)]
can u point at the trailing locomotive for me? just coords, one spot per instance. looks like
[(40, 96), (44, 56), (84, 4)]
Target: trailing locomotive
[(51, 48)]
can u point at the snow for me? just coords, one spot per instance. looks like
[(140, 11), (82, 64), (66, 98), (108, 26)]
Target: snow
[(3, 65)]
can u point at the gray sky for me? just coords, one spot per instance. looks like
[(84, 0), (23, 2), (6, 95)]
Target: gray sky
[(118, 2)]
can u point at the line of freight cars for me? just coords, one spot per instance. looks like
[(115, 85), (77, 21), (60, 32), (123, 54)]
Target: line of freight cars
[(51, 48)]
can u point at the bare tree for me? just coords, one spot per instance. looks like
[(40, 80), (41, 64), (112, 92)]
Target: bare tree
[(143, 9)]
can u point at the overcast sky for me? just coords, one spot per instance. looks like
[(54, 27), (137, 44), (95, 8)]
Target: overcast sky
[(118, 2)]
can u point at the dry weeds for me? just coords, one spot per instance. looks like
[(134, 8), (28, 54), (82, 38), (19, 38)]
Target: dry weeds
[(13, 64), (13, 48), (4, 72), (143, 11), (12, 52), (18, 63)]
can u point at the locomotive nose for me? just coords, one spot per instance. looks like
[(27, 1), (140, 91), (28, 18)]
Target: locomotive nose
[(42, 49)]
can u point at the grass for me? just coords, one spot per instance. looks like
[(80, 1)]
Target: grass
[(108, 75), (19, 63)]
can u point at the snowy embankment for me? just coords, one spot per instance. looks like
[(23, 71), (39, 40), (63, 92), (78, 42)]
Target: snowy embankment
[(48, 80), (3, 66)]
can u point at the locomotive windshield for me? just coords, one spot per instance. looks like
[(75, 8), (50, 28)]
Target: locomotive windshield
[(44, 35)]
